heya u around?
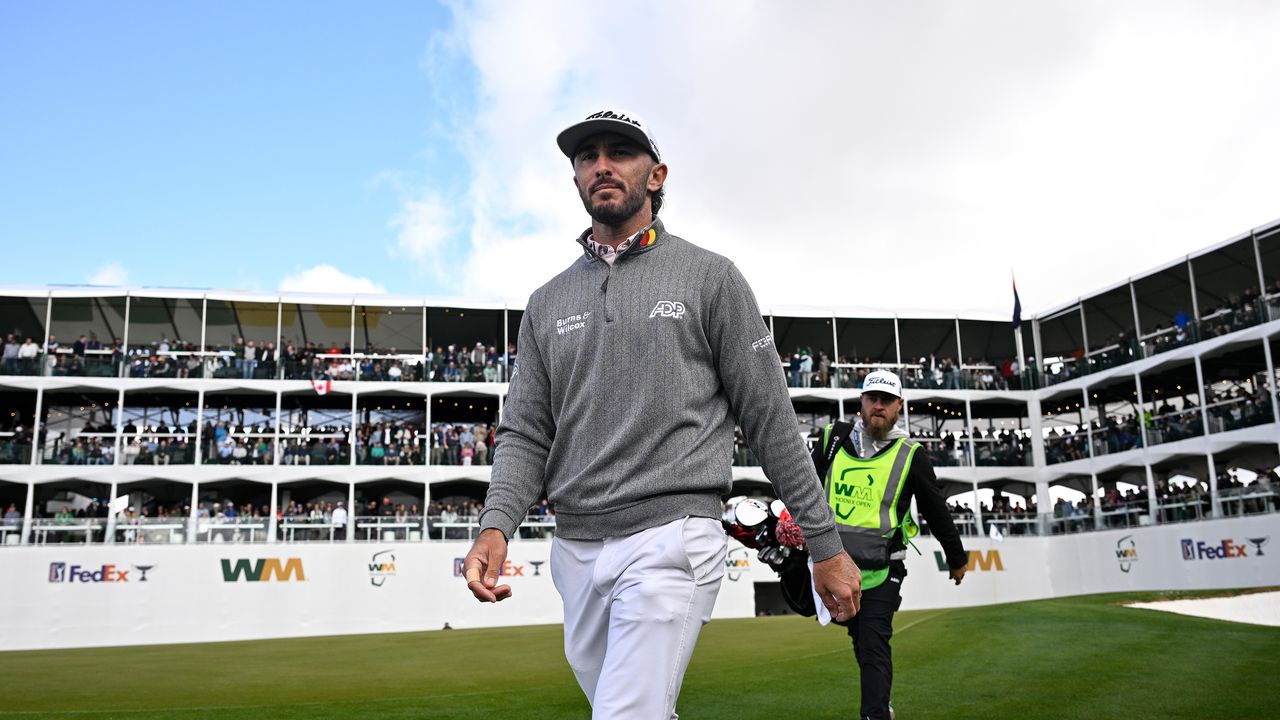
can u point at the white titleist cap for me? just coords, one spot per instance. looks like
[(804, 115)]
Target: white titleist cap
[(882, 381), (626, 124)]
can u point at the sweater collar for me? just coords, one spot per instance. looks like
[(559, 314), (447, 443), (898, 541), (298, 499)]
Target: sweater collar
[(641, 242)]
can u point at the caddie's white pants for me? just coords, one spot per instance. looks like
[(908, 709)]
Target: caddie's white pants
[(633, 607)]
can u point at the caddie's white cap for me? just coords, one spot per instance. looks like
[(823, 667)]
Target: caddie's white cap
[(882, 381), (627, 124)]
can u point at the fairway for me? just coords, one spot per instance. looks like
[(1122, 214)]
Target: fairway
[(1084, 657)]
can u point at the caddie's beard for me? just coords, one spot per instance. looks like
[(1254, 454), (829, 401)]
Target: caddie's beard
[(878, 427), (614, 215)]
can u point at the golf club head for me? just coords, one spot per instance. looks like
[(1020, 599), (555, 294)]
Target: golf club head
[(750, 513)]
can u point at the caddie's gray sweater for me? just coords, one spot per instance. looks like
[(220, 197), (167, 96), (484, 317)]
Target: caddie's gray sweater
[(628, 383)]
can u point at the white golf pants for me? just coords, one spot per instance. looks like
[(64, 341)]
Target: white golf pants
[(633, 607)]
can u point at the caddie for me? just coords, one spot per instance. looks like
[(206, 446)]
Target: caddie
[(870, 471)]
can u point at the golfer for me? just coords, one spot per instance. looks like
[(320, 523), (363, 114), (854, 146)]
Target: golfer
[(635, 363)]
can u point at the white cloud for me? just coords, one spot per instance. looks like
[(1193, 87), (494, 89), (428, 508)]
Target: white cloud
[(112, 273), (425, 224), (329, 279), (1078, 143)]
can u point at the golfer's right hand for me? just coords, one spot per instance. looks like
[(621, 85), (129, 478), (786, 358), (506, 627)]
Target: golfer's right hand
[(839, 585), (483, 563)]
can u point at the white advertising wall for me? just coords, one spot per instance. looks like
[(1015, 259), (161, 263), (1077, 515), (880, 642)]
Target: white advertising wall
[(81, 596), (1149, 558), (84, 595)]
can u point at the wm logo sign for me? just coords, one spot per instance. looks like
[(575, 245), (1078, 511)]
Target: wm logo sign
[(263, 569), (988, 561)]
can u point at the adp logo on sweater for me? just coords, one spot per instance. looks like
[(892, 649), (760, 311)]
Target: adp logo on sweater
[(263, 570), (668, 308)]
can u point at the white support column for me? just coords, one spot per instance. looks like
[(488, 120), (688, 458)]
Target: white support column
[(835, 356), (193, 521), (275, 438), (351, 512), (1097, 503), (110, 539), (198, 457), (355, 421), (274, 520), (124, 364), (1035, 422), (977, 512), (37, 428), (1036, 348), (204, 327), (426, 447), (1262, 280), (119, 438), (279, 366), (973, 445), (1088, 423), (1215, 501), (28, 514), (48, 318), (1195, 301), (1084, 333)]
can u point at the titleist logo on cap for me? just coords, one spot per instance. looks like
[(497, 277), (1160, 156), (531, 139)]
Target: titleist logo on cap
[(611, 115), (880, 381)]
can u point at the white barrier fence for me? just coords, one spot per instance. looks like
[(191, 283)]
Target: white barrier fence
[(81, 596)]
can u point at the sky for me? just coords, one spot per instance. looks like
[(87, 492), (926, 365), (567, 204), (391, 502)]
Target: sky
[(889, 156)]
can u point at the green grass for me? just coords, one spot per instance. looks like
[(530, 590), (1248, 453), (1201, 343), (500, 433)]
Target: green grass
[(1083, 658)]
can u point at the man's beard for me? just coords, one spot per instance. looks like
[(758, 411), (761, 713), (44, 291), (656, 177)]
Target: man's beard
[(879, 427), (615, 215)]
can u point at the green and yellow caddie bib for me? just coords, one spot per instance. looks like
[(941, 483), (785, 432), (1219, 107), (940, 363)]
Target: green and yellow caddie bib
[(863, 494)]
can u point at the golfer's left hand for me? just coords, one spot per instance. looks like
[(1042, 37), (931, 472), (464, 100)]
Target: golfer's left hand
[(957, 573), (839, 584)]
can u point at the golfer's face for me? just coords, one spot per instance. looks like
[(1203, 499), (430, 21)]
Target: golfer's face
[(880, 410), (613, 176)]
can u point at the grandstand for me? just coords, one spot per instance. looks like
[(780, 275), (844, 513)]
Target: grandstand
[(166, 427)]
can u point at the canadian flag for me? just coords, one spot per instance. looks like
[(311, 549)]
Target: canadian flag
[(322, 387)]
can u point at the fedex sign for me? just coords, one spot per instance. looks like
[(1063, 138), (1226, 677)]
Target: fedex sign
[(59, 572), (1223, 550)]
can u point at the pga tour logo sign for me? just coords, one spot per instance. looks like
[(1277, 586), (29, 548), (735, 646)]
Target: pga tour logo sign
[(1225, 549), (59, 572)]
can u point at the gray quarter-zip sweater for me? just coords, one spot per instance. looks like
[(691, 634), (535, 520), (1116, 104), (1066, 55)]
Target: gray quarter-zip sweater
[(629, 380)]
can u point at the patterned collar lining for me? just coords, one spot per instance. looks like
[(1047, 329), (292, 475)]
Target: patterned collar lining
[(610, 255)]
